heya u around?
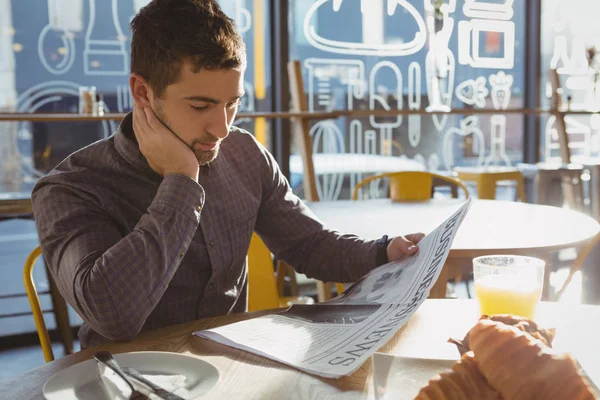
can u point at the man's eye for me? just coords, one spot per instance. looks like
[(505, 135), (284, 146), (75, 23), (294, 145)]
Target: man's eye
[(234, 103), (199, 108)]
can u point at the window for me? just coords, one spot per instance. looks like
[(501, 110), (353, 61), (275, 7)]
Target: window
[(568, 30), (45, 56), (466, 54)]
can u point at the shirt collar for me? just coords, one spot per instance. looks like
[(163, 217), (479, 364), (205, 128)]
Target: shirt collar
[(127, 146)]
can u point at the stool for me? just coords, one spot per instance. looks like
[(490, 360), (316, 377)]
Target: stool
[(487, 179)]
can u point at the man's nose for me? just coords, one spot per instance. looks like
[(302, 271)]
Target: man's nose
[(218, 124)]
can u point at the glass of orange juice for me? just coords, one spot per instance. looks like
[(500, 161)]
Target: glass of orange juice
[(506, 284)]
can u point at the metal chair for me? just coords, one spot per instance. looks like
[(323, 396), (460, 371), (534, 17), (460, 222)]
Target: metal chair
[(59, 308)]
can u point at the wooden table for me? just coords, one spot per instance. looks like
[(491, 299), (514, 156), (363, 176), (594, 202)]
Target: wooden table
[(247, 376), (490, 227)]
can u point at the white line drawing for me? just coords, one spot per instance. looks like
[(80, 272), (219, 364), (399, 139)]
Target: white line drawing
[(139, 4), (579, 134), (124, 99), (394, 7), (473, 91), (434, 162), (356, 147), (497, 141), (469, 33), (33, 99), (485, 10), (64, 18), (577, 63), (321, 72), (327, 135), (501, 90), (414, 103), (378, 94), (440, 63), (240, 14), (468, 126), (105, 56)]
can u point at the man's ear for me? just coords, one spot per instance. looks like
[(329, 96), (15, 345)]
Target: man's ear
[(140, 90)]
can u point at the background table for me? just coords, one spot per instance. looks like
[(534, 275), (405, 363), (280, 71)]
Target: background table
[(490, 227), (247, 376)]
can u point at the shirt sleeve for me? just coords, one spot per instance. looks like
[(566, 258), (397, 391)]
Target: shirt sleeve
[(295, 235), (114, 280)]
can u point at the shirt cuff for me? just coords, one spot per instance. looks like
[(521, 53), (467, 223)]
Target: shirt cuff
[(182, 193)]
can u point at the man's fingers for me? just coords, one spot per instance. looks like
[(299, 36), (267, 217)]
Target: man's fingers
[(407, 245), (141, 127), (415, 237)]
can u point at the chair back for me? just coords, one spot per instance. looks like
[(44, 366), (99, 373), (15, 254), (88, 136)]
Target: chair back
[(262, 287), (408, 186), (34, 302)]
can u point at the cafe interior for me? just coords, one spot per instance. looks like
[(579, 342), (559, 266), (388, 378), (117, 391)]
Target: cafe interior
[(474, 122)]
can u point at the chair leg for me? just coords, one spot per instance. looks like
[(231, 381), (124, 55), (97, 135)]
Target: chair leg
[(61, 315)]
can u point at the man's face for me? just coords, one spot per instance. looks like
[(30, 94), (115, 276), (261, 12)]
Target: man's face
[(200, 107)]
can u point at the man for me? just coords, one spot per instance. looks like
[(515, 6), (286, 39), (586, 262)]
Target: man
[(151, 226)]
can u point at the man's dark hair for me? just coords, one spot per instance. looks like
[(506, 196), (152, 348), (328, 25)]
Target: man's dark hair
[(168, 32)]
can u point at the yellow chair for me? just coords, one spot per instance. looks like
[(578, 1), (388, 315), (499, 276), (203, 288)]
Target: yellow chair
[(411, 185), (34, 302), (262, 286), (487, 179)]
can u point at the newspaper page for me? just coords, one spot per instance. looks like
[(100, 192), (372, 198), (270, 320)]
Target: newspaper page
[(334, 338)]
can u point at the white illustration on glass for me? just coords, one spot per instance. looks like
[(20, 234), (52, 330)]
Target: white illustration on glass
[(383, 96), (440, 62), (473, 92), (104, 53), (124, 99), (501, 90), (469, 34), (414, 103), (64, 18), (497, 142), (401, 8), (321, 73), (434, 162), (579, 138), (327, 136), (489, 10), (468, 126)]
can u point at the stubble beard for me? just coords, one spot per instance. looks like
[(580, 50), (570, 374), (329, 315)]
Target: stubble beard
[(204, 157)]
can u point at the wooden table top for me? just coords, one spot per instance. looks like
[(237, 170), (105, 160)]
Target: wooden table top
[(247, 376), (491, 226)]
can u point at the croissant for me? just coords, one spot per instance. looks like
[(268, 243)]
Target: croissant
[(521, 367), (462, 382), (523, 324)]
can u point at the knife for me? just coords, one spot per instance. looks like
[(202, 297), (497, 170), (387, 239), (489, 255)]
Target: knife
[(157, 390)]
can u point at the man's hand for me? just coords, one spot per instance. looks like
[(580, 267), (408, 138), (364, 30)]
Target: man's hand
[(402, 246), (164, 151)]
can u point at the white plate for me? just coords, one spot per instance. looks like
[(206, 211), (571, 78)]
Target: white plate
[(82, 381), (401, 378)]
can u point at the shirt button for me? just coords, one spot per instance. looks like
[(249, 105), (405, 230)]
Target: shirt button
[(210, 286), (182, 254), (198, 207), (212, 243)]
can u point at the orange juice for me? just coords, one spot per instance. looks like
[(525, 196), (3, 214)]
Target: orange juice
[(504, 294)]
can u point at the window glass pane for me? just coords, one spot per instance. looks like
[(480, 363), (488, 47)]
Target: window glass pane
[(569, 29), (380, 54), (46, 55)]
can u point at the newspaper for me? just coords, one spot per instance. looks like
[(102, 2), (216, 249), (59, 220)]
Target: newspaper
[(334, 338)]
